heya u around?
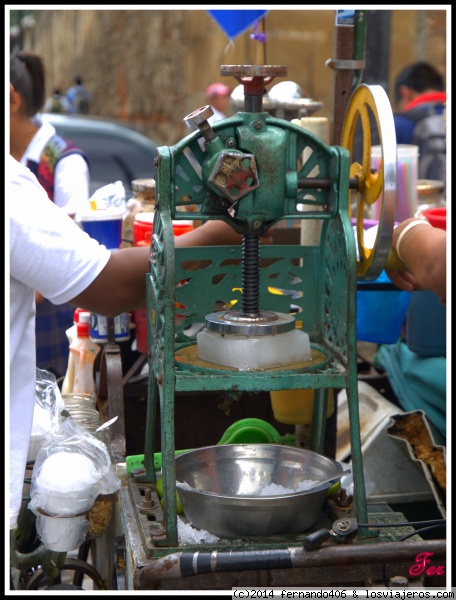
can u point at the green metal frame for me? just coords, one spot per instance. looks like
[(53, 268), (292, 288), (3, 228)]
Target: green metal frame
[(185, 284)]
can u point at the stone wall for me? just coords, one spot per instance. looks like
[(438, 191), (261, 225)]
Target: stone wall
[(150, 67)]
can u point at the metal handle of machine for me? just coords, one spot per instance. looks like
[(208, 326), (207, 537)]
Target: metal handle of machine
[(254, 79), (199, 118)]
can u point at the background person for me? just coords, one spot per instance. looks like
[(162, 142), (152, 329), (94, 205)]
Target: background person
[(418, 378), (421, 99), (57, 103), (63, 171), (78, 97), (416, 364), (218, 96)]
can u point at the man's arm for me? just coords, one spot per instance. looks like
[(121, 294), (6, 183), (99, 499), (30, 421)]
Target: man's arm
[(121, 286)]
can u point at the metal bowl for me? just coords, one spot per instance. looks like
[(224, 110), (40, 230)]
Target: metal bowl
[(220, 488)]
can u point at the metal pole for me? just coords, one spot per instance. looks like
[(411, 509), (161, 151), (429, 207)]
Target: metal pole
[(342, 80)]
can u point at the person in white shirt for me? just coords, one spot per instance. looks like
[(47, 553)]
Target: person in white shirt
[(63, 170), (42, 239), (30, 136)]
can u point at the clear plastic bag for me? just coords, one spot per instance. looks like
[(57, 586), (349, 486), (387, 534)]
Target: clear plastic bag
[(71, 470), (48, 405)]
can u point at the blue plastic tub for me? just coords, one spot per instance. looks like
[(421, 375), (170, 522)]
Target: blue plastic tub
[(380, 315)]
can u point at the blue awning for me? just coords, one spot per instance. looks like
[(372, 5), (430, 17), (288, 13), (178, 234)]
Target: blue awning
[(235, 22)]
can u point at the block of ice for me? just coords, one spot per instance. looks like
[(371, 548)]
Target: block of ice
[(254, 352)]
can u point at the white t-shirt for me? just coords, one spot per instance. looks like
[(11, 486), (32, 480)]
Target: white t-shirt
[(71, 175), (50, 253)]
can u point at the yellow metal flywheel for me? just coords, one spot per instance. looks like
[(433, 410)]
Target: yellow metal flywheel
[(369, 111)]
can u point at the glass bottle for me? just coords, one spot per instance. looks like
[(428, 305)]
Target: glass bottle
[(143, 201), (430, 194)]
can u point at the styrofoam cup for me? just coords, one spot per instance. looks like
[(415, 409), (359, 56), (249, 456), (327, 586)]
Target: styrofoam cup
[(67, 484), (62, 534)]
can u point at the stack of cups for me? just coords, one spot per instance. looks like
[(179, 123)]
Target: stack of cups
[(66, 488), (407, 181), (106, 227)]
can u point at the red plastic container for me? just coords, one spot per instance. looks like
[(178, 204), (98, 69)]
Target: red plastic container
[(142, 234), (142, 228), (180, 227), (436, 216)]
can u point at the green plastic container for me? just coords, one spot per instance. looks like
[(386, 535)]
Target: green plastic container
[(245, 431)]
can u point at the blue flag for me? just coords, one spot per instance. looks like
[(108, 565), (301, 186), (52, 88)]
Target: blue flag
[(235, 22)]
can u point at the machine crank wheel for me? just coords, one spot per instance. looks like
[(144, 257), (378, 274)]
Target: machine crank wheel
[(369, 107)]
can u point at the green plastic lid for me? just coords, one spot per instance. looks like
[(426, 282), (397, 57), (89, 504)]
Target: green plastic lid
[(250, 431)]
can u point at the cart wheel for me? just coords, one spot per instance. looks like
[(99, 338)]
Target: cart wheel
[(369, 106), (81, 569)]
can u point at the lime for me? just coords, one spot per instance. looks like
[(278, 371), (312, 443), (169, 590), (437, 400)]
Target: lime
[(159, 487), (333, 489), (180, 508), (159, 490)]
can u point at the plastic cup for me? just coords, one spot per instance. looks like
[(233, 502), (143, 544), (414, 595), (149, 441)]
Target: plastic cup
[(105, 227)]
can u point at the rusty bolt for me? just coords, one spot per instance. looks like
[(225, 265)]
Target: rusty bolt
[(344, 525), (341, 499), (147, 503)]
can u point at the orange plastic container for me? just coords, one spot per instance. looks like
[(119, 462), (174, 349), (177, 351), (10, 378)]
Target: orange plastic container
[(142, 234)]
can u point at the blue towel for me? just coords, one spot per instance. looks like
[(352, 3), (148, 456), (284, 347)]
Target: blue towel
[(418, 382)]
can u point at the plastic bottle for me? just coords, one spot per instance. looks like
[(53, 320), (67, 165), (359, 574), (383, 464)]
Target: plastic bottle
[(84, 354), (71, 333)]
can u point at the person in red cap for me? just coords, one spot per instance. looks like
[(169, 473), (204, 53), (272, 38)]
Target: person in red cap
[(218, 96)]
